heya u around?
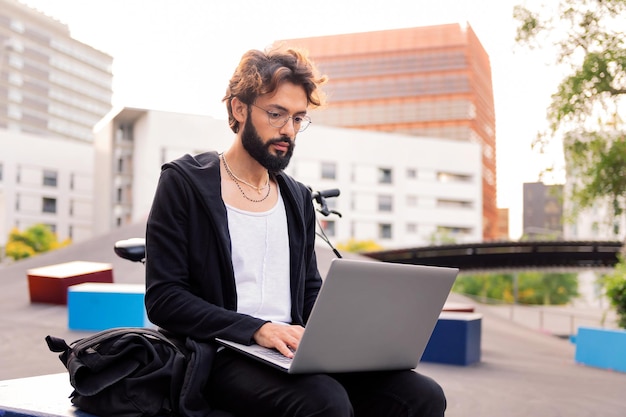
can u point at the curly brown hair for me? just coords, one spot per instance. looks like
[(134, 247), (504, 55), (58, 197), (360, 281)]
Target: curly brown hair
[(261, 72)]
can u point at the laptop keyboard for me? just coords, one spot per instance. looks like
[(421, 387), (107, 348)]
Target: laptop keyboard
[(274, 354)]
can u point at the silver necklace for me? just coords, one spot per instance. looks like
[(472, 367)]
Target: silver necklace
[(237, 180), (232, 175)]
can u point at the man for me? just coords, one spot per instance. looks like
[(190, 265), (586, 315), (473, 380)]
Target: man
[(230, 253)]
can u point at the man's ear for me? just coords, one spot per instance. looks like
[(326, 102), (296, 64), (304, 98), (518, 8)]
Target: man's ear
[(240, 109)]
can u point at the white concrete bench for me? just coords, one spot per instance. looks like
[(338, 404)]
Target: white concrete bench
[(39, 396)]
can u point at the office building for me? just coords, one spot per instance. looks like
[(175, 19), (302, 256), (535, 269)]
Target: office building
[(50, 83), (432, 82), (543, 211), (503, 224), (431, 189), (53, 186), (593, 223)]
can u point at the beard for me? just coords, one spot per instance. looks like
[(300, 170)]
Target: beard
[(253, 143)]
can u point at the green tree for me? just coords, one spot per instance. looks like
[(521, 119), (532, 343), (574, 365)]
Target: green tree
[(585, 110), (615, 287), (547, 288), (532, 287), (36, 239), (486, 286)]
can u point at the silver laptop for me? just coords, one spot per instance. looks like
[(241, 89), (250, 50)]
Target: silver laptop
[(369, 316)]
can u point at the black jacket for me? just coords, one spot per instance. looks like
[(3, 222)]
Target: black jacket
[(190, 285)]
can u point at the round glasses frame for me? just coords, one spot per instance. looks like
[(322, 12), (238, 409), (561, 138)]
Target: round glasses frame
[(278, 119)]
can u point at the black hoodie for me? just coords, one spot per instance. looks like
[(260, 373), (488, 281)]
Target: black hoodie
[(190, 285)]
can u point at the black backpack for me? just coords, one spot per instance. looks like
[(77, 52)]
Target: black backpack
[(135, 372)]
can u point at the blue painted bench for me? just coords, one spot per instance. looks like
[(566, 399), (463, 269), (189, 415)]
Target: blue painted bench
[(601, 348), (456, 339), (98, 306)]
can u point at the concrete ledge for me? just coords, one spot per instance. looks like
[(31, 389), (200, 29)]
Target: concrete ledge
[(39, 396), (455, 339), (99, 306)]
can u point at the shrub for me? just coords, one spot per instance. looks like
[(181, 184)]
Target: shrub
[(615, 287)]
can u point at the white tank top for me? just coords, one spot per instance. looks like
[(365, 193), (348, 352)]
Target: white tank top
[(260, 256)]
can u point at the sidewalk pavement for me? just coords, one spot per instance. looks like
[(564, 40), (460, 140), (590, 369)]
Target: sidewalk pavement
[(523, 371)]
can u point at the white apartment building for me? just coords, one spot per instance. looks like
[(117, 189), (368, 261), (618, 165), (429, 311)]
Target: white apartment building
[(45, 180), (50, 83), (396, 190), (594, 224)]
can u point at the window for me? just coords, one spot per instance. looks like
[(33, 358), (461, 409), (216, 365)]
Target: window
[(49, 205), (452, 177), (454, 231), (1, 172), (16, 79), (119, 195), (120, 165), (385, 203), (385, 176), (411, 173), (411, 228), (124, 132), (49, 178), (15, 112), (454, 203), (384, 231), (17, 26), (411, 200), (329, 170)]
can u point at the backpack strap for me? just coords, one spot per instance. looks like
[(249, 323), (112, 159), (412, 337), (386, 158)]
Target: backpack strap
[(56, 344)]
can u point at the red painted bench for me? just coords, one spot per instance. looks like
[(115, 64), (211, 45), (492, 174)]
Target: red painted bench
[(49, 284)]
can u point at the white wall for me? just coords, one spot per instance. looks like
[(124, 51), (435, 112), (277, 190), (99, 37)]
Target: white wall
[(415, 201), (420, 206), (24, 158), (161, 137)]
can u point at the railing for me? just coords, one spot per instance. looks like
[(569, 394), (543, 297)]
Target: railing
[(560, 321)]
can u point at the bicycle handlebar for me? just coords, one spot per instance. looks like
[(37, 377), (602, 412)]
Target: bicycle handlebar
[(134, 249)]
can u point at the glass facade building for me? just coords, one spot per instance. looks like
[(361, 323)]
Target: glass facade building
[(430, 81), (50, 83)]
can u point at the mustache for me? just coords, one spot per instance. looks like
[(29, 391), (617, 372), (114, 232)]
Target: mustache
[(285, 139)]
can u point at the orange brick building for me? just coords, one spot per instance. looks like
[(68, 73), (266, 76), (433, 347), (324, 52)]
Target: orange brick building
[(430, 81)]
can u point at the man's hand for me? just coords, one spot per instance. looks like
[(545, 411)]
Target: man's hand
[(284, 338)]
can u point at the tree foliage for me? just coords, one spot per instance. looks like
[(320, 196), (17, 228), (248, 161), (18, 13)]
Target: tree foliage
[(532, 287), (615, 287), (586, 110), (36, 239)]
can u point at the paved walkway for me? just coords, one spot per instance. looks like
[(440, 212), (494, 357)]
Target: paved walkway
[(523, 371)]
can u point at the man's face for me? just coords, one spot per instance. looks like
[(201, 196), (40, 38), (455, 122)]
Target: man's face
[(272, 146), (260, 150)]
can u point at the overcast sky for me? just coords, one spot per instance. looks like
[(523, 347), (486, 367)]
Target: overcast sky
[(177, 55)]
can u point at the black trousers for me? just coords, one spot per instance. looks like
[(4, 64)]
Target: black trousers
[(247, 388)]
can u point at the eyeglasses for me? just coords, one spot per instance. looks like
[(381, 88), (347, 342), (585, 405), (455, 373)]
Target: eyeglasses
[(278, 119)]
